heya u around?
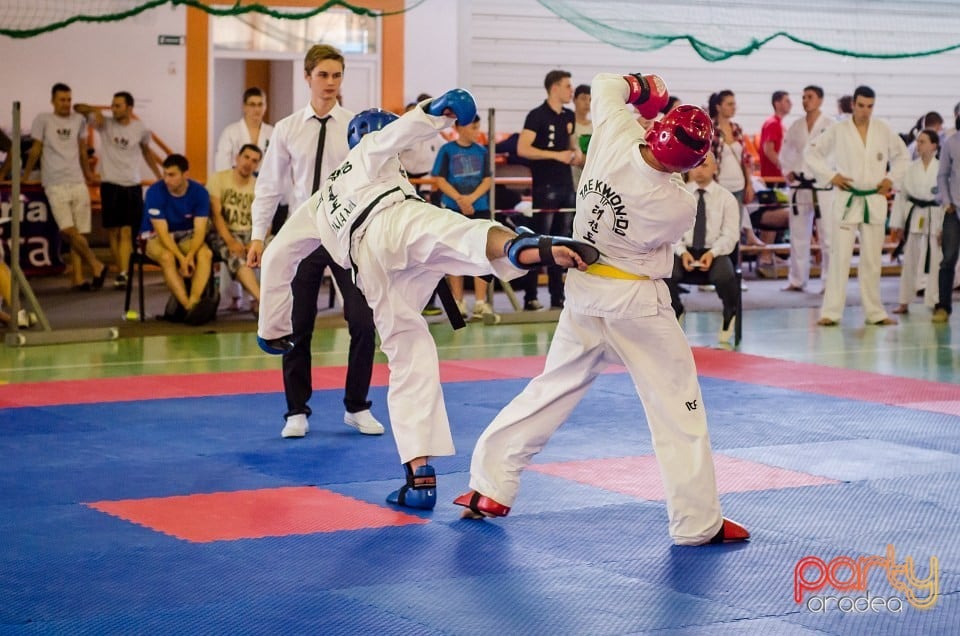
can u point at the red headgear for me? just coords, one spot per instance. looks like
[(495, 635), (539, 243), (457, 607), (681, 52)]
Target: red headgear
[(681, 140)]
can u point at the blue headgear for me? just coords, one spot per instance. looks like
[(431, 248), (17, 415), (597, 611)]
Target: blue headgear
[(366, 122)]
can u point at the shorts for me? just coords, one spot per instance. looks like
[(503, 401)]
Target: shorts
[(154, 248), (70, 206), (122, 206), (219, 247)]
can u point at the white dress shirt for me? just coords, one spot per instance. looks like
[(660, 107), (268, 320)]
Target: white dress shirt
[(234, 137), (287, 167), (723, 221)]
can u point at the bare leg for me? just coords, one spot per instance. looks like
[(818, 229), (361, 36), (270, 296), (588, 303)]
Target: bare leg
[(201, 276), (79, 246)]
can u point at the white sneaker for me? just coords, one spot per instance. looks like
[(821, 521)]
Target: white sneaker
[(727, 334), (26, 320), (296, 426), (481, 309), (462, 306), (363, 421)]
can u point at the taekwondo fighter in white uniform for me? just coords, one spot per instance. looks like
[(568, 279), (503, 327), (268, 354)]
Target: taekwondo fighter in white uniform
[(914, 211), (633, 208), (370, 219), (797, 173), (853, 156)]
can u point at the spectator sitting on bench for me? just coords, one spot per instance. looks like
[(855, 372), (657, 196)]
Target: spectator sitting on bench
[(231, 197), (706, 248), (175, 227)]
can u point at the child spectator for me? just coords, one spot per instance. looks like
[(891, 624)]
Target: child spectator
[(463, 178)]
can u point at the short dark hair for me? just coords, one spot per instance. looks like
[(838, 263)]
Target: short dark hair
[(863, 91), (423, 96), (125, 96), (553, 77), (932, 134), (253, 91), (582, 89), (777, 96), (59, 87), (253, 147), (845, 104), (176, 161), (815, 89), (476, 118)]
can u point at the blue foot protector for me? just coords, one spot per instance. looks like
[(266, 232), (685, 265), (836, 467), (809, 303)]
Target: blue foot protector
[(419, 492), (277, 346)]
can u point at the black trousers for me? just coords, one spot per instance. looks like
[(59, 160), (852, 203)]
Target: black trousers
[(721, 275), (297, 381), (557, 224)]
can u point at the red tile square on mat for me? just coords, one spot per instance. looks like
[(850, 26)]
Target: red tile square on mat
[(254, 514), (640, 476)]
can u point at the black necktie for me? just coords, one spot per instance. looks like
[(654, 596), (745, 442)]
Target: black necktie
[(700, 227), (319, 162)]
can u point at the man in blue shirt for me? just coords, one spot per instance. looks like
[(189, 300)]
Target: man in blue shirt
[(175, 227)]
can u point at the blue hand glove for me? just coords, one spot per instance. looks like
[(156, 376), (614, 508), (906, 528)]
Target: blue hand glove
[(459, 101)]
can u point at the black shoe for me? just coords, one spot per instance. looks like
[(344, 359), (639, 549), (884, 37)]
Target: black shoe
[(98, 281)]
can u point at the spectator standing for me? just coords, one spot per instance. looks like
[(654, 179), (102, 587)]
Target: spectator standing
[(463, 176), (771, 138), (59, 145), (948, 195), (309, 145), (547, 142), (582, 126), (123, 141), (733, 162), (250, 129), (914, 212), (806, 210), (853, 155)]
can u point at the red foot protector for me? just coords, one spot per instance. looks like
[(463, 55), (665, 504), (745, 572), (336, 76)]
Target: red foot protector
[(254, 514), (479, 506), (730, 532)]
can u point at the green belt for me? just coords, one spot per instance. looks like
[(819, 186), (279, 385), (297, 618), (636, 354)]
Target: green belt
[(862, 194)]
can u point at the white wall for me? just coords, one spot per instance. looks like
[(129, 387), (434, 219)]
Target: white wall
[(513, 43), (433, 54), (97, 60)]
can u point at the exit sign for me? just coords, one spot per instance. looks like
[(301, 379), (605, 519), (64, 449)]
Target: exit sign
[(170, 40)]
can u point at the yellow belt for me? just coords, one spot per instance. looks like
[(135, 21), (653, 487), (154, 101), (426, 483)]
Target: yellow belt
[(609, 271)]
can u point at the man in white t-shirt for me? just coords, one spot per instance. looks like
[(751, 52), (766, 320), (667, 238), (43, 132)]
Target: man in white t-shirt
[(65, 173), (123, 141)]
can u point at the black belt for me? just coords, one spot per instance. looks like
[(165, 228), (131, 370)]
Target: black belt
[(915, 203), (443, 289), (803, 183)]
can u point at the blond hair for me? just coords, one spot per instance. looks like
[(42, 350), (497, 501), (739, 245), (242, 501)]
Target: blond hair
[(319, 53)]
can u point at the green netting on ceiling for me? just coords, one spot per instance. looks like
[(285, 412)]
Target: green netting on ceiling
[(29, 18), (720, 29)]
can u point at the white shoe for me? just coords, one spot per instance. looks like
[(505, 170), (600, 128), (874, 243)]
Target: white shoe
[(462, 306), (481, 309), (26, 320), (296, 426), (363, 421), (706, 288), (727, 334)]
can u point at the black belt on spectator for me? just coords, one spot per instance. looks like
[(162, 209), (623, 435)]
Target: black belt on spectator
[(914, 204), (804, 183)]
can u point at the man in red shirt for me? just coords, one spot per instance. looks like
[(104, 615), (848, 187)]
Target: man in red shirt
[(771, 136)]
